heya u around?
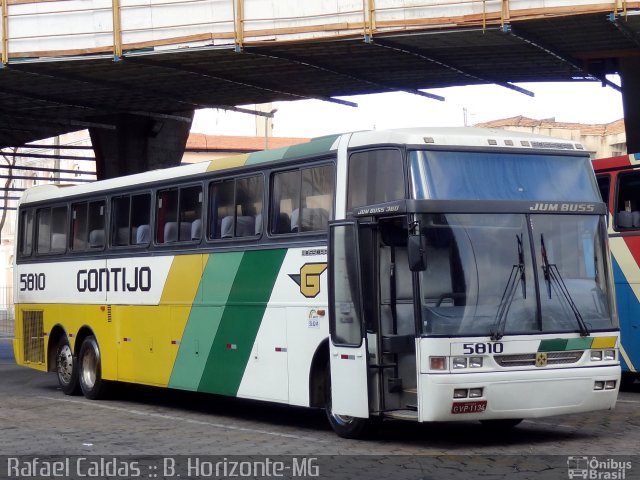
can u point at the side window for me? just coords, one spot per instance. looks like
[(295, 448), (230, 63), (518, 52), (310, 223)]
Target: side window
[(604, 184), (302, 200), (87, 225), (628, 202), (52, 230), (79, 225), (130, 220), (375, 176), (179, 215), (236, 208), (26, 233), (285, 199)]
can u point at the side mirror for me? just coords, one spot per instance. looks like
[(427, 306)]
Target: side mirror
[(417, 253)]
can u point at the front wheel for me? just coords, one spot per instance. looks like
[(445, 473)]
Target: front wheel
[(67, 368), (90, 370), (346, 426)]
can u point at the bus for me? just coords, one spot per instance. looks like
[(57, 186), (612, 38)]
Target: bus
[(417, 274), (619, 183)]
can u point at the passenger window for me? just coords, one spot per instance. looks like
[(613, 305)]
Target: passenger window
[(79, 226), (375, 176), (628, 202), (130, 220), (285, 199), (87, 225), (236, 208), (302, 200), (52, 230), (26, 233), (179, 215)]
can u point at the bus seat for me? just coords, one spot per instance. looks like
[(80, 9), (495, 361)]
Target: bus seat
[(258, 229), (625, 219), (96, 238), (196, 229), (143, 234), (58, 241), (226, 227), (245, 226), (170, 232), (635, 217)]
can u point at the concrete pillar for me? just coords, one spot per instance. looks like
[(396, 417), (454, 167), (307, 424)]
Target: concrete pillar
[(629, 69), (139, 144)]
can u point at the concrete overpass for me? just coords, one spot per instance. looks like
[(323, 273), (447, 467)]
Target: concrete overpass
[(133, 71)]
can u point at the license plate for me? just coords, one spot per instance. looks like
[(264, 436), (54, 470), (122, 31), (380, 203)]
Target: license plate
[(478, 406)]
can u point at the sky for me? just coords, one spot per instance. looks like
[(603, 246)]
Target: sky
[(581, 102)]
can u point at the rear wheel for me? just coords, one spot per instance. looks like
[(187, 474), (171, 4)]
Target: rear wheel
[(344, 425), (67, 368), (90, 370)]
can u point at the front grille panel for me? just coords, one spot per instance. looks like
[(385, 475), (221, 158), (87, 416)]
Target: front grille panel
[(529, 359)]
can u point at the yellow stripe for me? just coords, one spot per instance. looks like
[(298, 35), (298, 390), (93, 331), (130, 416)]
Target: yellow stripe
[(228, 162), (183, 279), (627, 359), (604, 342)]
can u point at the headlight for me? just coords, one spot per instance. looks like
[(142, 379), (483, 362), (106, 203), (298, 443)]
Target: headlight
[(460, 393), (609, 354), (610, 385), (459, 362), (475, 392), (596, 355), (598, 385), (475, 362)]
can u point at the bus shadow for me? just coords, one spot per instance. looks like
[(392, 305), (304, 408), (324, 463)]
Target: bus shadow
[(449, 435)]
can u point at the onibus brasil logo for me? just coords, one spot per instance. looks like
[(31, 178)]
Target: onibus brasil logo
[(309, 278), (597, 468)]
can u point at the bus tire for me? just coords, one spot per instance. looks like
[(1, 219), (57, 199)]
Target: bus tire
[(345, 426), (90, 370), (67, 368), (501, 424)]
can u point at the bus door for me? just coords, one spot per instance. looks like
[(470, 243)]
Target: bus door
[(348, 350)]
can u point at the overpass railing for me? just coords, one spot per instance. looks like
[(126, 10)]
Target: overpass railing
[(32, 29)]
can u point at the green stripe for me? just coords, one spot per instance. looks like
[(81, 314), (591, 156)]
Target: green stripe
[(204, 320), (553, 345), (246, 304), (579, 343), (314, 147)]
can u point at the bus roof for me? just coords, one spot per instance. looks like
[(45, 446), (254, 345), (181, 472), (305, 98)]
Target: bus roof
[(452, 137)]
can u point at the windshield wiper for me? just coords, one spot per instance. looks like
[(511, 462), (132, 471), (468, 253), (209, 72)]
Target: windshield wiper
[(552, 276), (517, 272)]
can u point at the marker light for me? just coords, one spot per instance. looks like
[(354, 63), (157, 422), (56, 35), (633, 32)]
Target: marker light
[(459, 362), (438, 363), (460, 393), (596, 355)]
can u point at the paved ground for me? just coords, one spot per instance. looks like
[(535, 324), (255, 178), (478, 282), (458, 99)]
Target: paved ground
[(37, 419)]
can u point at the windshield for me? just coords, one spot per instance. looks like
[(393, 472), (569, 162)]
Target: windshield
[(501, 176), (486, 274)]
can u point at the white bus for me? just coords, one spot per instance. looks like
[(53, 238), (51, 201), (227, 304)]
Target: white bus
[(421, 274)]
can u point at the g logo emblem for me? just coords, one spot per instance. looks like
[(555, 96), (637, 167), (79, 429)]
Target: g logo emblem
[(309, 278), (541, 359)]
